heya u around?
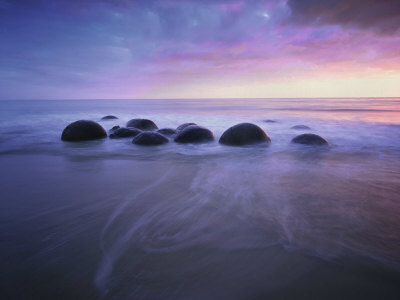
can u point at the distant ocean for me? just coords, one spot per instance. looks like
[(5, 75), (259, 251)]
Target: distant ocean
[(107, 219)]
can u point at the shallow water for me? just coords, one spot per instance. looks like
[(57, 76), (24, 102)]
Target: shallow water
[(108, 219)]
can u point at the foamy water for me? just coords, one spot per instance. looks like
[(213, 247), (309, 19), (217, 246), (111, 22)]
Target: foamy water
[(109, 219)]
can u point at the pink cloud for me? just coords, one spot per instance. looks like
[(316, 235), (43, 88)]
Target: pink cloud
[(232, 6)]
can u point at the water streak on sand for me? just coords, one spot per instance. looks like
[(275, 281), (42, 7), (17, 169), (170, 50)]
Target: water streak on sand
[(118, 247), (115, 220)]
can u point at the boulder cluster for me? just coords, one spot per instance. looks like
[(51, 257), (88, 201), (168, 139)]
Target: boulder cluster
[(146, 133)]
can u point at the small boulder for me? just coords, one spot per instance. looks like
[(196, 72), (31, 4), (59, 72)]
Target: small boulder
[(149, 139), (114, 128), (83, 130), (270, 121), (109, 118), (300, 127), (167, 131), (194, 134), (125, 132), (310, 139), (184, 125), (244, 134), (142, 124)]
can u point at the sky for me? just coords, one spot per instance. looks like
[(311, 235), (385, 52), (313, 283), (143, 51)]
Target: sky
[(120, 49)]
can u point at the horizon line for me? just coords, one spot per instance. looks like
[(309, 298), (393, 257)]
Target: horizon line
[(201, 98)]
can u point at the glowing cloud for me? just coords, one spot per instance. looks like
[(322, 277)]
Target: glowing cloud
[(224, 48)]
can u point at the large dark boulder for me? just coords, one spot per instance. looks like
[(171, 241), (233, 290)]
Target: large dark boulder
[(83, 130), (310, 139), (194, 134), (124, 132), (109, 118), (142, 124), (149, 139), (244, 134), (184, 125), (300, 127), (167, 131)]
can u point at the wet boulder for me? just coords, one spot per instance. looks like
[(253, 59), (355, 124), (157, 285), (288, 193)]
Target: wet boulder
[(83, 130), (184, 125), (114, 128), (142, 124), (270, 121), (149, 139), (300, 127), (125, 132), (109, 118), (244, 134), (194, 134), (310, 139), (167, 131)]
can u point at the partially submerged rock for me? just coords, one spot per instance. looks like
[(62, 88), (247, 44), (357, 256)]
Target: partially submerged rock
[(142, 124), (167, 131), (114, 128), (125, 132), (300, 127), (109, 118), (83, 130), (244, 134), (194, 134), (184, 125), (310, 139), (270, 121), (149, 139)]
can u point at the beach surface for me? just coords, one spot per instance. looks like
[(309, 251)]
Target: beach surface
[(107, 219)]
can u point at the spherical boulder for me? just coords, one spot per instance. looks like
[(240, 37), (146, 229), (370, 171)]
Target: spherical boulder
[(194, 134), (124, 132), (300, 127), (83, 130), (167, 131), (109, 118), (142, 124), (149, 139), (184, 125), (114, 128), (310, 139), (244, 134)]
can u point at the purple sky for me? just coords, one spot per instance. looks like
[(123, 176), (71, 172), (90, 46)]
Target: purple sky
[(75, 49)]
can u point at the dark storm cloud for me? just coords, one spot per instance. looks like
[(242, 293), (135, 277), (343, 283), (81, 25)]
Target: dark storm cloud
[(380, 15)]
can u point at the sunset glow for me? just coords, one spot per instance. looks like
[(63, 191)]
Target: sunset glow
[(198, 49)]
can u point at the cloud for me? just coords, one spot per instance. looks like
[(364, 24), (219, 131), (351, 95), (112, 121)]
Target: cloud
[(85, 46), (382, 16)]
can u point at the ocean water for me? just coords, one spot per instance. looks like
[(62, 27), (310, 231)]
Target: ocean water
[(108, 219)]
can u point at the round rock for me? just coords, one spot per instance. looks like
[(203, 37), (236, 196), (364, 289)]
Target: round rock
[(194, 134), (109, 118), (167, 131), (114, 128), (184, 125), (310, 139), (83, 130), (125, 132), (142, 124), (300, 127), (149, 139), (244, 134)]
